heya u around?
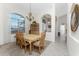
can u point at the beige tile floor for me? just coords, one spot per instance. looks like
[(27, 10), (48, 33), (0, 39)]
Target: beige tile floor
[(58, 48), (52, 49)]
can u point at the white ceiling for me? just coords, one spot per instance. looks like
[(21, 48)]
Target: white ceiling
[(60, 9), (36, 8)]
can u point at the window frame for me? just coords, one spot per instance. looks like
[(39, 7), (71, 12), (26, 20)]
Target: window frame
[(20, 25)]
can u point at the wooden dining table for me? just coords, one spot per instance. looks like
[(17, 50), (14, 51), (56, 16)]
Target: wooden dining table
[(31, 38)]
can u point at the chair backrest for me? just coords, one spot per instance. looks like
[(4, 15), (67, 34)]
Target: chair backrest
[(17, 35), (42, 39), (22, 39)]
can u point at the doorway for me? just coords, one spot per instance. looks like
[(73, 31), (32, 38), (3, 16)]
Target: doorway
[(61, 28)]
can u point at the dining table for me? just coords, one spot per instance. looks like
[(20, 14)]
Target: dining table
[(30, 38)]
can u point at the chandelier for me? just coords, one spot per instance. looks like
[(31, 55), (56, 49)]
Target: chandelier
[(30, 17)]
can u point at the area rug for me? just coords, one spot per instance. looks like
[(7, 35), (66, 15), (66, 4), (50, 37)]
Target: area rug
[(11, 49)]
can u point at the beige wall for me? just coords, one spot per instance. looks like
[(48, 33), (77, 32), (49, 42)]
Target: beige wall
[(49, 35), (1, 24), (6, 10)]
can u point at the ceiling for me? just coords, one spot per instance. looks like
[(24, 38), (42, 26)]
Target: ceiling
[(36, 8)]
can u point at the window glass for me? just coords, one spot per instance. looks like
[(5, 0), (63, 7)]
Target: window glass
[(17, 23)]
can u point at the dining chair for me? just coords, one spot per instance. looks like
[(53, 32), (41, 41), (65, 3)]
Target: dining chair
[(41, 43), (17, 38), (23, 42)]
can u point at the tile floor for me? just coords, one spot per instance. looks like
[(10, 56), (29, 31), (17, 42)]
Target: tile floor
[(57, 48)]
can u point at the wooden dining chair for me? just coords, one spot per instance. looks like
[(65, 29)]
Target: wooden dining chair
[(23, 42), (41, 43), (17, 38)]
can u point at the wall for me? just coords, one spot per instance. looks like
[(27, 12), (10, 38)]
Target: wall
[(1, 24), (49, 35), (72, 37), (5, 11)]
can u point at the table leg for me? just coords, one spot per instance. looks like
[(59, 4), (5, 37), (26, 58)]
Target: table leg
[(30, 48)]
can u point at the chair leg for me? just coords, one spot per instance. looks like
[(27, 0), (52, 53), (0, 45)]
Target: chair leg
[(43, 47), (16, 42), (39, 49), (21, 46), (25, 49)]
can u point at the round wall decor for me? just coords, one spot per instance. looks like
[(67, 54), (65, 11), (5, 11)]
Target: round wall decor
[(75, 18)]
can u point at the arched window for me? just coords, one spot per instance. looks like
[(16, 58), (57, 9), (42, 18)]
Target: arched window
[(17, 23), (46, 23)]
